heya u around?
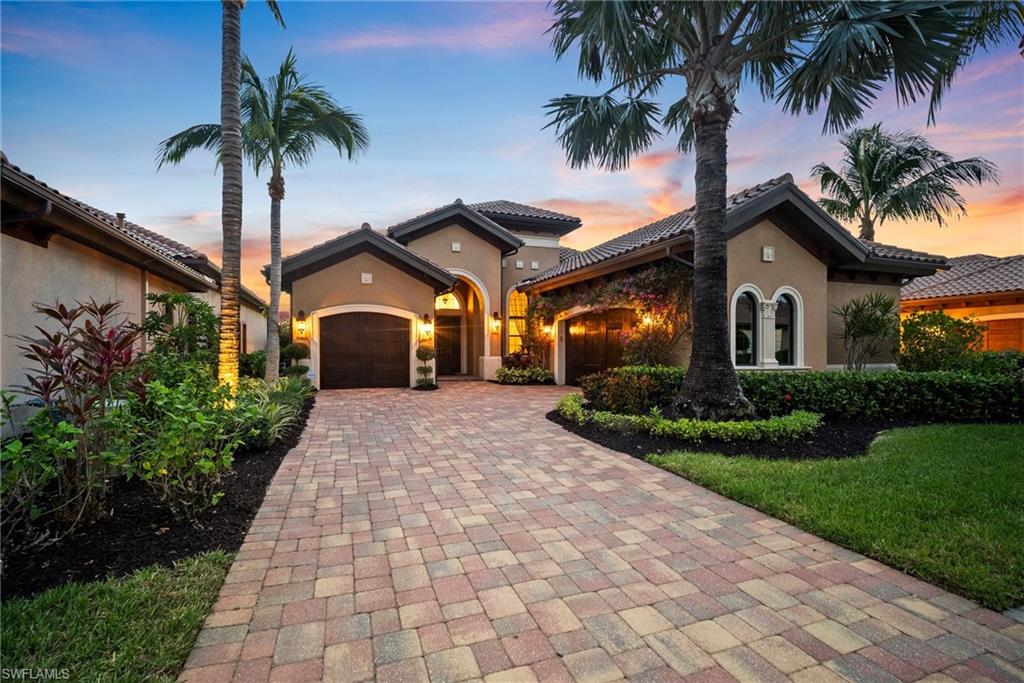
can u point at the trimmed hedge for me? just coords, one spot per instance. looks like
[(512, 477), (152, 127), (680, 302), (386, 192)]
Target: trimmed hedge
[(924, 396), (527, 375), (773, 430)]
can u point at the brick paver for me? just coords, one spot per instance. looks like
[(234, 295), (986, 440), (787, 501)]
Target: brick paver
[(459, 535)]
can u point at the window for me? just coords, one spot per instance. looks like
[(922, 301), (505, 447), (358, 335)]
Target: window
[(534, 265), (519, 264), (516, 320), (785, 326), (745, 323)]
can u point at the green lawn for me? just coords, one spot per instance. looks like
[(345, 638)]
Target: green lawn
[(136, 628), (945, 503)]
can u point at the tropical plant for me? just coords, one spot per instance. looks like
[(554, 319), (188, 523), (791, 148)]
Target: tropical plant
[(870, 327), (897, 176), (180, 324), (284, 118), (807, 56), (933, 340), (84, 357)]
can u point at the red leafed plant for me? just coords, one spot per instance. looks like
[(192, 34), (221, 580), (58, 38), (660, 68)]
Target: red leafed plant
[(84, 357)]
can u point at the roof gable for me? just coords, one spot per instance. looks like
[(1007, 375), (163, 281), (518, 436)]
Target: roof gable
[(467, 217), (778, 199), (363, 240), (514, 215)]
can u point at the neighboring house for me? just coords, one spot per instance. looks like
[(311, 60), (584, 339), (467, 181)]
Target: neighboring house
[(463, 273), (989, 289), (56, 248)]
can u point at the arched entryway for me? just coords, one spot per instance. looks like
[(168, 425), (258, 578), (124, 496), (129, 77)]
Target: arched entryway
[(461, 329)]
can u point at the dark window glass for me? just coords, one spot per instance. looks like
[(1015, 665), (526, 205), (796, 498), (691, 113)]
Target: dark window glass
[(784, 330), (746, 330)]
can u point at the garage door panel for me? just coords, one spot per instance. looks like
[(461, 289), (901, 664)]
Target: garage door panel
[(364, 350)]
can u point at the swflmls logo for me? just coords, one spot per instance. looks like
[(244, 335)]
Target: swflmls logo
[(28, 674)]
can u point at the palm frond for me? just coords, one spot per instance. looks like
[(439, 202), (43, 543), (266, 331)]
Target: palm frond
[(275, 10), (175, 148), (601, 130)]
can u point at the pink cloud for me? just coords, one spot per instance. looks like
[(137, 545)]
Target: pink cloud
[(509, 30)]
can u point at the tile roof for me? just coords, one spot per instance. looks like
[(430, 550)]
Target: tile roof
[(161, 244), (566, 252), (673, 226), (487, 225), (889, 251), (968, 275), (503, 207)]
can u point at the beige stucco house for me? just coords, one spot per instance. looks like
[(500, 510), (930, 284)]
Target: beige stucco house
[(54, 247), (460, 277)]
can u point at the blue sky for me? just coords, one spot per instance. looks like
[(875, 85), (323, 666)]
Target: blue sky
[(453, 96)]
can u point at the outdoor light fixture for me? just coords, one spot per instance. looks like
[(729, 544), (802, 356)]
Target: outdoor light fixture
[(426, 327), (547, 330), (648, 321), (495, 322), (300, 324)]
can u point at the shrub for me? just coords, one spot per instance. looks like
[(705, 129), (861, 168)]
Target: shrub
[(935, 341), (774, 429), (924, 396), (295, 351), (297, 371), (648, 344), (425, 353), (182, 325), (993, 362), (82, 368), (870, 327), (188, 437), (253, 364), (528, 375)]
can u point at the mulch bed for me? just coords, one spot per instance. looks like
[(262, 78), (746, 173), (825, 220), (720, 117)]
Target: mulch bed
[(833, 439), (140, 531)]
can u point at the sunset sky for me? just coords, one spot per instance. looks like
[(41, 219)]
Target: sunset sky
[(453, 96)]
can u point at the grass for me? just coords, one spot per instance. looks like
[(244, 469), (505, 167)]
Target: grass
[(140, 627), (945, 503)]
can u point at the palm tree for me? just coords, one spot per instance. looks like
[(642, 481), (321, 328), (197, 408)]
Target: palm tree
[(231, 186), (807, 56), (284, 117), (896, 175)]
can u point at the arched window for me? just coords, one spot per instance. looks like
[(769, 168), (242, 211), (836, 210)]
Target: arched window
[(517, 303), (446, 302), (745, 329), (785, 330)]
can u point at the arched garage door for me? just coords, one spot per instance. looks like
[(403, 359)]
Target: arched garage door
[(364, 350), (595, 342)]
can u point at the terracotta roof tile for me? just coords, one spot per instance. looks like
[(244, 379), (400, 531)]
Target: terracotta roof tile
[(968, 275), (503, 207), (889, 251)]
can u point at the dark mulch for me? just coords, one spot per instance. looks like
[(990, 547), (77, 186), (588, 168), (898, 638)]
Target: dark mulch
[(833, 439), (140, 531)]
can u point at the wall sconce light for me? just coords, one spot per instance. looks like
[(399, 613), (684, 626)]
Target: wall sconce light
[(647, 321), (495, 322), (426, 327), (547, 331), (300, 324)]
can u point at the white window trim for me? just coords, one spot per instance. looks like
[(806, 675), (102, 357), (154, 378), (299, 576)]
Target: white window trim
[(506, 322), (798, 325), (764, 335), (758, 300)]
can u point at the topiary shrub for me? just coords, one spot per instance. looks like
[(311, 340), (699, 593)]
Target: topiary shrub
[(296, 351), (425, 353)]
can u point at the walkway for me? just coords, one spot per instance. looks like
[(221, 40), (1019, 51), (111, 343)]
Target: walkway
[(457, 535)]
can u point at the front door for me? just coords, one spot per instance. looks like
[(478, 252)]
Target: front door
[(448, 336), (595, 342)]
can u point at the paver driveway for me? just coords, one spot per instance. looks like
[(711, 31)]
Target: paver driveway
[(458, 535)]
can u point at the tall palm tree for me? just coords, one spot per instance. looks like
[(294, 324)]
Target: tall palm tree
[(231, 186), (896, 175), (283, 119), (807, 56)]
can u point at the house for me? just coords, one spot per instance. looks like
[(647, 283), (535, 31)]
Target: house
[(55, 247), (989, 289), (461, 276)]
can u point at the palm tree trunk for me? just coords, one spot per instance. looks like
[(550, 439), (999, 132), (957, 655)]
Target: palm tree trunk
[(276, 187), (231, 192), (867, 229), (711, 389)]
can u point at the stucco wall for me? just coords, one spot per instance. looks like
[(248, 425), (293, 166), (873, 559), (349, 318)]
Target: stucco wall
[(341, 284), (840, 293), (477, 256), (794, 267), (253, 318), (64, 271)]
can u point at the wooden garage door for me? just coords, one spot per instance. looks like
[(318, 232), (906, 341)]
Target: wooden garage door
[(364, 350), (1004, 335), (594, 342)]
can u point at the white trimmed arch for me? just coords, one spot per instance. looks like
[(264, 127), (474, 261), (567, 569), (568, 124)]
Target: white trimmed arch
[(316, 316), (798, 323), (478, 283), (758, 300)]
